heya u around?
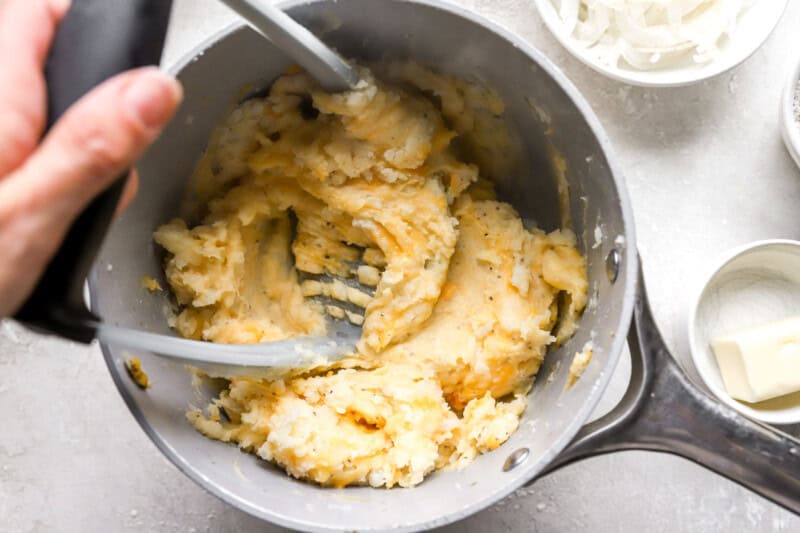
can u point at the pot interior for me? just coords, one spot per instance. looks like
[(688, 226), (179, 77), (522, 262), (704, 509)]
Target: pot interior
[(542, 110)]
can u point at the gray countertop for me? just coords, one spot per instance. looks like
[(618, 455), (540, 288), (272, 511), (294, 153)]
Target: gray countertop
[(706, 170)]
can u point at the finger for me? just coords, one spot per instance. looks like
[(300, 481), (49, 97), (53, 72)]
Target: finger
[(129, 192), (95, 141), (26, 32), (98, 140)]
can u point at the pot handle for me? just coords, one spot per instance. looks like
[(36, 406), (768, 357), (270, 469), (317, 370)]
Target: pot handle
[(662, 410), (96, 40)]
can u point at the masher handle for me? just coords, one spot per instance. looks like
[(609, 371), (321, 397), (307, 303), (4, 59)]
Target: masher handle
[(96, 40)]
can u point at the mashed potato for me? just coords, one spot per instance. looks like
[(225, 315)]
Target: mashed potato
[(371, 185)]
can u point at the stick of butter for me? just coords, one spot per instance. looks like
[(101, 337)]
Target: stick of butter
[(760, 363)]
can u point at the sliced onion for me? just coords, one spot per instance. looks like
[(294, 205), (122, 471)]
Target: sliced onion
[(597, 22), (568, 11), (651, 34)]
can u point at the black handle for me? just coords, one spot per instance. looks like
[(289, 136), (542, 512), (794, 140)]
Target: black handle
[(662, 410), (96, 40)]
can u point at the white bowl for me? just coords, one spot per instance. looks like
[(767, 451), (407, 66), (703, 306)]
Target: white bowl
[(754, 284), (754, 27), (790, 128)]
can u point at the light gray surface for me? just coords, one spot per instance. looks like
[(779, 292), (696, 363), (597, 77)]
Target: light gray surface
[(706, 171)]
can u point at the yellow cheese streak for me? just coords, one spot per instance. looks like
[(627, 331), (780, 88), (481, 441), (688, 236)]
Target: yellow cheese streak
[(466, 302)]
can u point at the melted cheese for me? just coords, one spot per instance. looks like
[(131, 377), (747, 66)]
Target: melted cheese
[(466, 299)]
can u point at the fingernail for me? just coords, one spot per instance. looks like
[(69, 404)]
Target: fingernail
[(152, 97), (61, 6)]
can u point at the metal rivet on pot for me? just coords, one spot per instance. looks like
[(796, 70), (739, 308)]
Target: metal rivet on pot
[(515, 459), (613, 261)]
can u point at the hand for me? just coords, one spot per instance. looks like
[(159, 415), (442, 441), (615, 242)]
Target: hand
[(45, 185)]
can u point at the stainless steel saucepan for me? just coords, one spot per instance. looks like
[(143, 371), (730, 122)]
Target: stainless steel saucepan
[(661, 411)]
